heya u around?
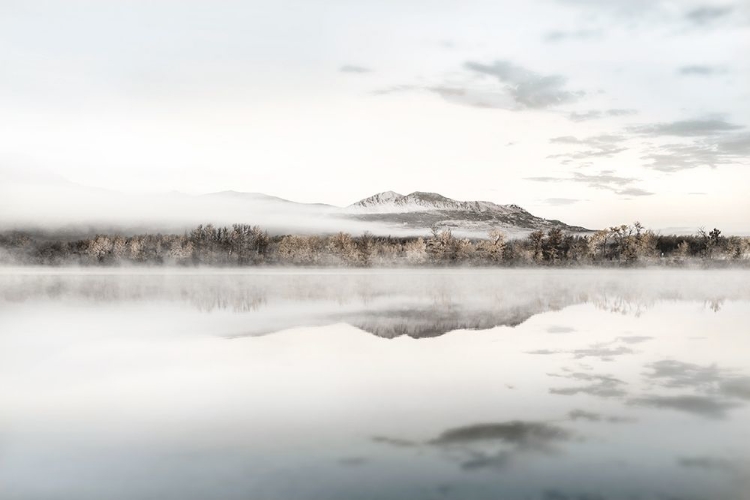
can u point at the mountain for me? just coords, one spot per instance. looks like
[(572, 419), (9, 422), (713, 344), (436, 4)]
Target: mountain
[(418, 201), (259, 198), (422, 210), (75, 210)]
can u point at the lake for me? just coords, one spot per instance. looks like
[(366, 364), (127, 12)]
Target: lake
[(375, 384)]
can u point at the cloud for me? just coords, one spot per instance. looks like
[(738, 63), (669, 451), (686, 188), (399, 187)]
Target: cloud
[(620, 112), (393, 89), (734, 146), (708, 152), (700, 70), (602, 180), (708, 14), (519, 88), (529, 90), (599, 146), (634, 192), (621, 7), (475, 97), (634, 339), (558, 202), (595, 114), (352, 68), (547, 178), (587, 115), (686, 128), (589, 141), (738, 387), (544, 352), (610, 182), (704, 406), (559, 36), (715, 142)]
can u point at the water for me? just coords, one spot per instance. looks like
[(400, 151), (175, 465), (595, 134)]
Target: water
[(471, 384)]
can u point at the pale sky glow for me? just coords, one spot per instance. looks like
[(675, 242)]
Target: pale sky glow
[(592, 112)]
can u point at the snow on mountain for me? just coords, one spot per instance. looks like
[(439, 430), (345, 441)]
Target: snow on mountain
[(385, 199), (418, 201), (420, 210)]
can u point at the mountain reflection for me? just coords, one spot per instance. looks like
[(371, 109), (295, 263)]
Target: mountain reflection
[(389, 304)]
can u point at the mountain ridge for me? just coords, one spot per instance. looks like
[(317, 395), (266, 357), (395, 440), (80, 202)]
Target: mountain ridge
[(424, 200), (422, 209)]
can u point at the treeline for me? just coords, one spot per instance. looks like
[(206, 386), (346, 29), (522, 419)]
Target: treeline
[(245, 245)]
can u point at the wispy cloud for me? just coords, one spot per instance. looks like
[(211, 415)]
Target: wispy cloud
[(527, 88), (700, 70), (596, 114), (475, 97), (512, 87), (632, 191), (708, 14), (559, 36), (642, 12), (713, 141), (599, 146), (603, 180), (393, 89), (621, 7), (634, 339), (686, 128), (558, 202), (707, 152), (353, 68)]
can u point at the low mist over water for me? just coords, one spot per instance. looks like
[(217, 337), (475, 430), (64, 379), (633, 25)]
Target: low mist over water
[(472, 384)]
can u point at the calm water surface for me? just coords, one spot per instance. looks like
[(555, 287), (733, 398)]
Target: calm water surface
[(541, 385)]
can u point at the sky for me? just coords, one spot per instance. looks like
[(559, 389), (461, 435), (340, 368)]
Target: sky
[(592, 112)]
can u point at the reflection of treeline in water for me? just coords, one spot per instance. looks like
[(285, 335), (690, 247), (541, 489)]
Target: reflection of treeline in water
[(244, 245)]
